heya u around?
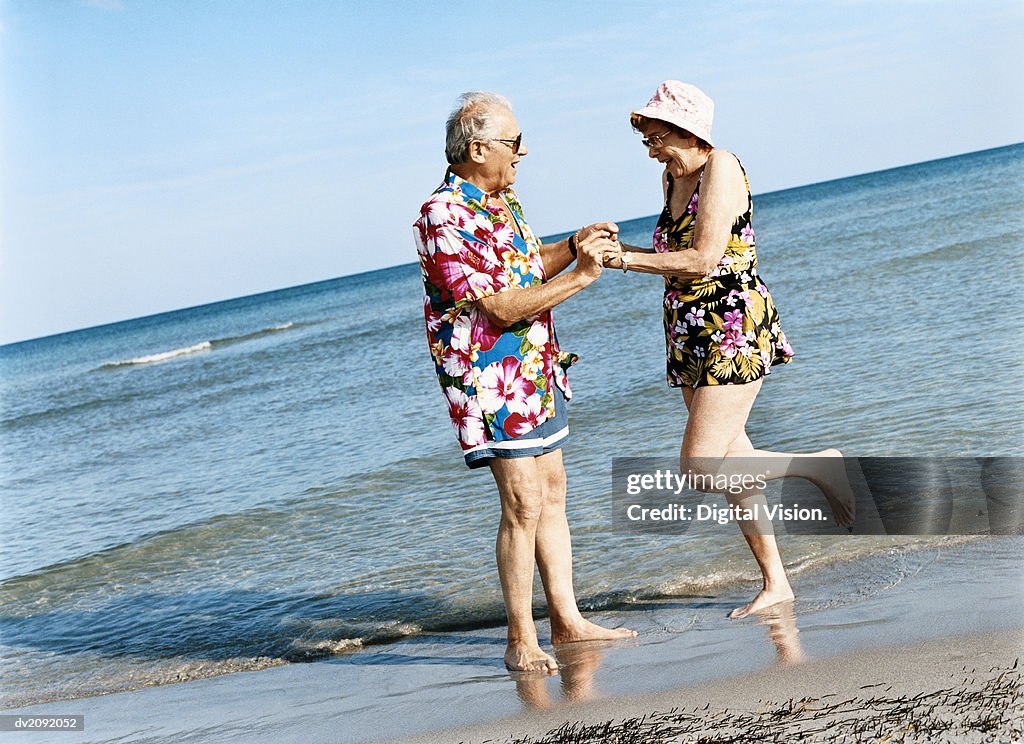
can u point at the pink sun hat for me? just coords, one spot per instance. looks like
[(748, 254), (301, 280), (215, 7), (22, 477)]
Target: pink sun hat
[(684, 105)]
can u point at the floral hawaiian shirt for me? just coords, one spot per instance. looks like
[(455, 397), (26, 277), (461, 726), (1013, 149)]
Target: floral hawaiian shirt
[(497, 381)]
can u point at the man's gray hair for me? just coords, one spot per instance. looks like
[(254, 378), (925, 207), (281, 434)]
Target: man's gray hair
[(471, 120)]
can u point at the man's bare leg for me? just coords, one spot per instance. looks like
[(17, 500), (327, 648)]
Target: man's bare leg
[(521, 491), (554, 559)]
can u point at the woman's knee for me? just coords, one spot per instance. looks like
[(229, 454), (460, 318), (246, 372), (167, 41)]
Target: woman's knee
[(699, 451), (740, 446)]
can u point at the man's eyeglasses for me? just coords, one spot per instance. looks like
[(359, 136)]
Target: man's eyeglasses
[(654, 140), (515, 144)]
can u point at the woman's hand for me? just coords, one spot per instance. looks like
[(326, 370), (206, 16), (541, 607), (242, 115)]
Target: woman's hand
[(612, 259)]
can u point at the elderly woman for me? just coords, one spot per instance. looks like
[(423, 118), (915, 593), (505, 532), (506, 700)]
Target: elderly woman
[(722, 330)]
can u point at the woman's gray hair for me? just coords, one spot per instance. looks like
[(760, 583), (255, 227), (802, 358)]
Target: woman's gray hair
[(471, 120)]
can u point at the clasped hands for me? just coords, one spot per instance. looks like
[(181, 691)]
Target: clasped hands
[(597, 246)]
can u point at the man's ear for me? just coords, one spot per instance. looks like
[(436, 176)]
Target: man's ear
[(476, 151)]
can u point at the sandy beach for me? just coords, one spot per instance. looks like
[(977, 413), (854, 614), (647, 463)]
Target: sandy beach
[(932, 644), (957, 689)]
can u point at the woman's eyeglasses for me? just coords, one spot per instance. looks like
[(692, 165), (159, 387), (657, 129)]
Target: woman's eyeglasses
[(654, 140)]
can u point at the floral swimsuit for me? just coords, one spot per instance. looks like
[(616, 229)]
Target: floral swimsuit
[(721, 329)]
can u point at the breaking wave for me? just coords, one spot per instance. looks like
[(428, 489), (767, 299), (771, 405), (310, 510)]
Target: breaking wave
[(199, 348)]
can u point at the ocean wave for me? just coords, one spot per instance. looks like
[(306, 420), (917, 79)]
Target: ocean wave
[(68, 410), (203, 346), (161, 357), (250, 336)]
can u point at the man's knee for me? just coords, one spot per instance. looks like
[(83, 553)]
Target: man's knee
[(554, 487), (522, 496), (522, 508)]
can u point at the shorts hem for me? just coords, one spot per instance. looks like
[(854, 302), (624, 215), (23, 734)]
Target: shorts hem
[(478, 458), (674, 384)]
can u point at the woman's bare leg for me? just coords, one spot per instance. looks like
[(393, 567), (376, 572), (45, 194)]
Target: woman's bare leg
[(713, 419), (715, 430), (760, 537)]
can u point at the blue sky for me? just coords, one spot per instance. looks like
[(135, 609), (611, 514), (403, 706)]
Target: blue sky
[(163, 154)]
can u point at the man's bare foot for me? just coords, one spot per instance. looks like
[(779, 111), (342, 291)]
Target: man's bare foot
[(763, 601), (584, 630), (527, 656), (836, 486)]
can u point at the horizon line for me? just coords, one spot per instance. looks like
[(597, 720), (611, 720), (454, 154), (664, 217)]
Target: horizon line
[(409, 263)]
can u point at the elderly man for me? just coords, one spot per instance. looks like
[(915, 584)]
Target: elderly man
[(489, 288)]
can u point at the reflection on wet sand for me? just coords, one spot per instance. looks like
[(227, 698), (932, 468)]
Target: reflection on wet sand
[(783, 632), (577, 663)]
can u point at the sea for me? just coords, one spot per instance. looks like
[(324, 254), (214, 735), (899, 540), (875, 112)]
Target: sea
[(274, 480)]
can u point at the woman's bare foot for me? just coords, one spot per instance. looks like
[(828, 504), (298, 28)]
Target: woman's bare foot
[(527, 656), (584, 630), (835, 484), (763, 601)]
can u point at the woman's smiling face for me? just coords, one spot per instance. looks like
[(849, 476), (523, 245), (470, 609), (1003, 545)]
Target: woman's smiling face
[(668, 145)]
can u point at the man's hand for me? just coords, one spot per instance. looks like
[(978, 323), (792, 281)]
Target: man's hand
[(603, 229), (590, 257), (559, 256), (607, 229)]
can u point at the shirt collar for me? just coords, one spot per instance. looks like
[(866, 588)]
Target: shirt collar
[(472, 191)]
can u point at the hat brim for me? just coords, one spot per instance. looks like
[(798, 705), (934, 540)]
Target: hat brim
[(652, 112)]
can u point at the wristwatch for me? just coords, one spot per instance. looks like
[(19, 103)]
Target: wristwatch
[(624, 260)]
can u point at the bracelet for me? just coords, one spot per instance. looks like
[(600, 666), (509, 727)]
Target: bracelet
[(573, 239), (624, 260)]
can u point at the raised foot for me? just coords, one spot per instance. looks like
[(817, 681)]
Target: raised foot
[(764, 600), (584, 630), (836, 486), (524, 656)]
